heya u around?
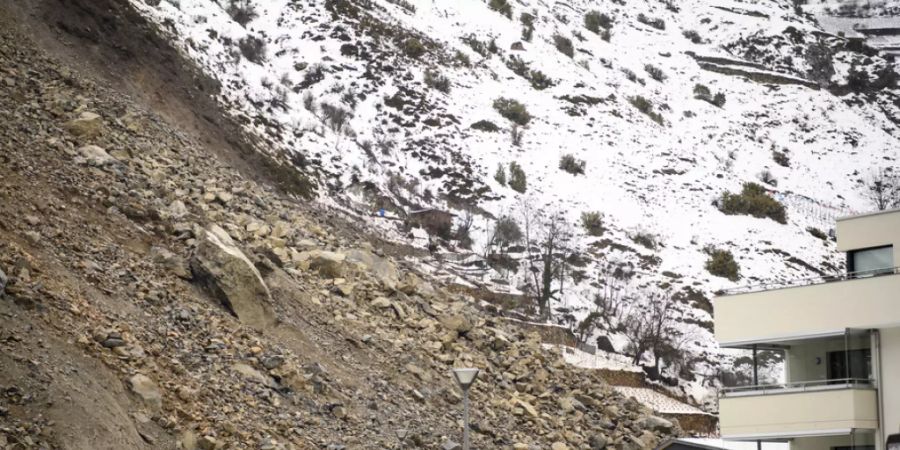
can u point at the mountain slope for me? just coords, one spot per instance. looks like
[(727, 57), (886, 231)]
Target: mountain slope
[(656, 158), (130, 255)]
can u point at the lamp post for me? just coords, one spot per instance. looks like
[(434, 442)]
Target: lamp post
[(465, 378)]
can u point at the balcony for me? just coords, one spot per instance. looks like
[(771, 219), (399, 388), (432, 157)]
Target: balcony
[(818, 408), (808, 307)]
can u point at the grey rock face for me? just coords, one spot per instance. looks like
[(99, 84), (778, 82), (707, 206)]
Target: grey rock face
[(226, 272)]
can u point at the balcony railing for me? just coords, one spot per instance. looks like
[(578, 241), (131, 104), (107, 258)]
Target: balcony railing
[(820, 279), (796, 386)]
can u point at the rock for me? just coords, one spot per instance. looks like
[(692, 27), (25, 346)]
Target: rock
[(655, 423), (207, 443), (33, 237), (223, 269), (306, 244), (32, 220), (381, 302), (328, 264), (177, 209), (186, 394), (187, 440), (527, 407), (520, 446), (87, 125), (344, 289), (147, 390), (559, 446), (457, 323), (450, 445), (339, 412), (383, 270), (3, 280), (413, 285), (281, 230), (176, 264), (95, 156), (649, 439), (251, 374), (272, 362), (113, 340), (598, 442)]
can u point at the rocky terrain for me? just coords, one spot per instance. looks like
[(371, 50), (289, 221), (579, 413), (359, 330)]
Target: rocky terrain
[(157, 295), (638, 115)]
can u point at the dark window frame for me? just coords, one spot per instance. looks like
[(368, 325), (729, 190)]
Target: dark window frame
[(851, 267)]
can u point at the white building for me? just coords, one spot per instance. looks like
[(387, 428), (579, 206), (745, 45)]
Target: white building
[(841, 340)]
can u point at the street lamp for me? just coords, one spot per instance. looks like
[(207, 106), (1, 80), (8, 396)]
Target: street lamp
[(465, 378)]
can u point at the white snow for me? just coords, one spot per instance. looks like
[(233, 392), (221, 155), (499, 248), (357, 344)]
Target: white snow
[(659, 403)]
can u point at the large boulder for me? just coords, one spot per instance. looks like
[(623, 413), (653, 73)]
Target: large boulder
[(327, 264), (93, 155), (226, 272), (383, 270), (147, 390), (657, 424), (87, 125)]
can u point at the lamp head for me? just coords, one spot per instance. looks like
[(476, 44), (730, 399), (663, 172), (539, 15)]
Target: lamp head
[(465, 377)]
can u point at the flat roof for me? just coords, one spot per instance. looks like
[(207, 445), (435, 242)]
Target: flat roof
[(875, 213)]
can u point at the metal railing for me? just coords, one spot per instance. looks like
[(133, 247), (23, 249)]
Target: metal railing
[(796, 386), (819, 279)]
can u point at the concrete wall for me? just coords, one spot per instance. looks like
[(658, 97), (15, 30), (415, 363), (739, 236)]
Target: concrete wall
[(797, 413), (871, 230), (890, 373), (770, 315)]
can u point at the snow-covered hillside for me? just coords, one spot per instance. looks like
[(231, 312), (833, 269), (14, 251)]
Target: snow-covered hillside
[(294, 67)]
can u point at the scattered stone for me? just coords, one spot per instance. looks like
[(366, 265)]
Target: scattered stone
[(559, 446)]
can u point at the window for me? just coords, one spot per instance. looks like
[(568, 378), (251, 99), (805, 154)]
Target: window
[(850, 364), (871, 261)]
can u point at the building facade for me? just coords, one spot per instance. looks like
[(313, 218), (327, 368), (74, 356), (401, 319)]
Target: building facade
[(840, 337)]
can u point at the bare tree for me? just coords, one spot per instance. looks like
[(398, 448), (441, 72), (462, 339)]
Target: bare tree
[(883, 189), (613, 292), (649, 326), (464, 229), (548, 245)]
